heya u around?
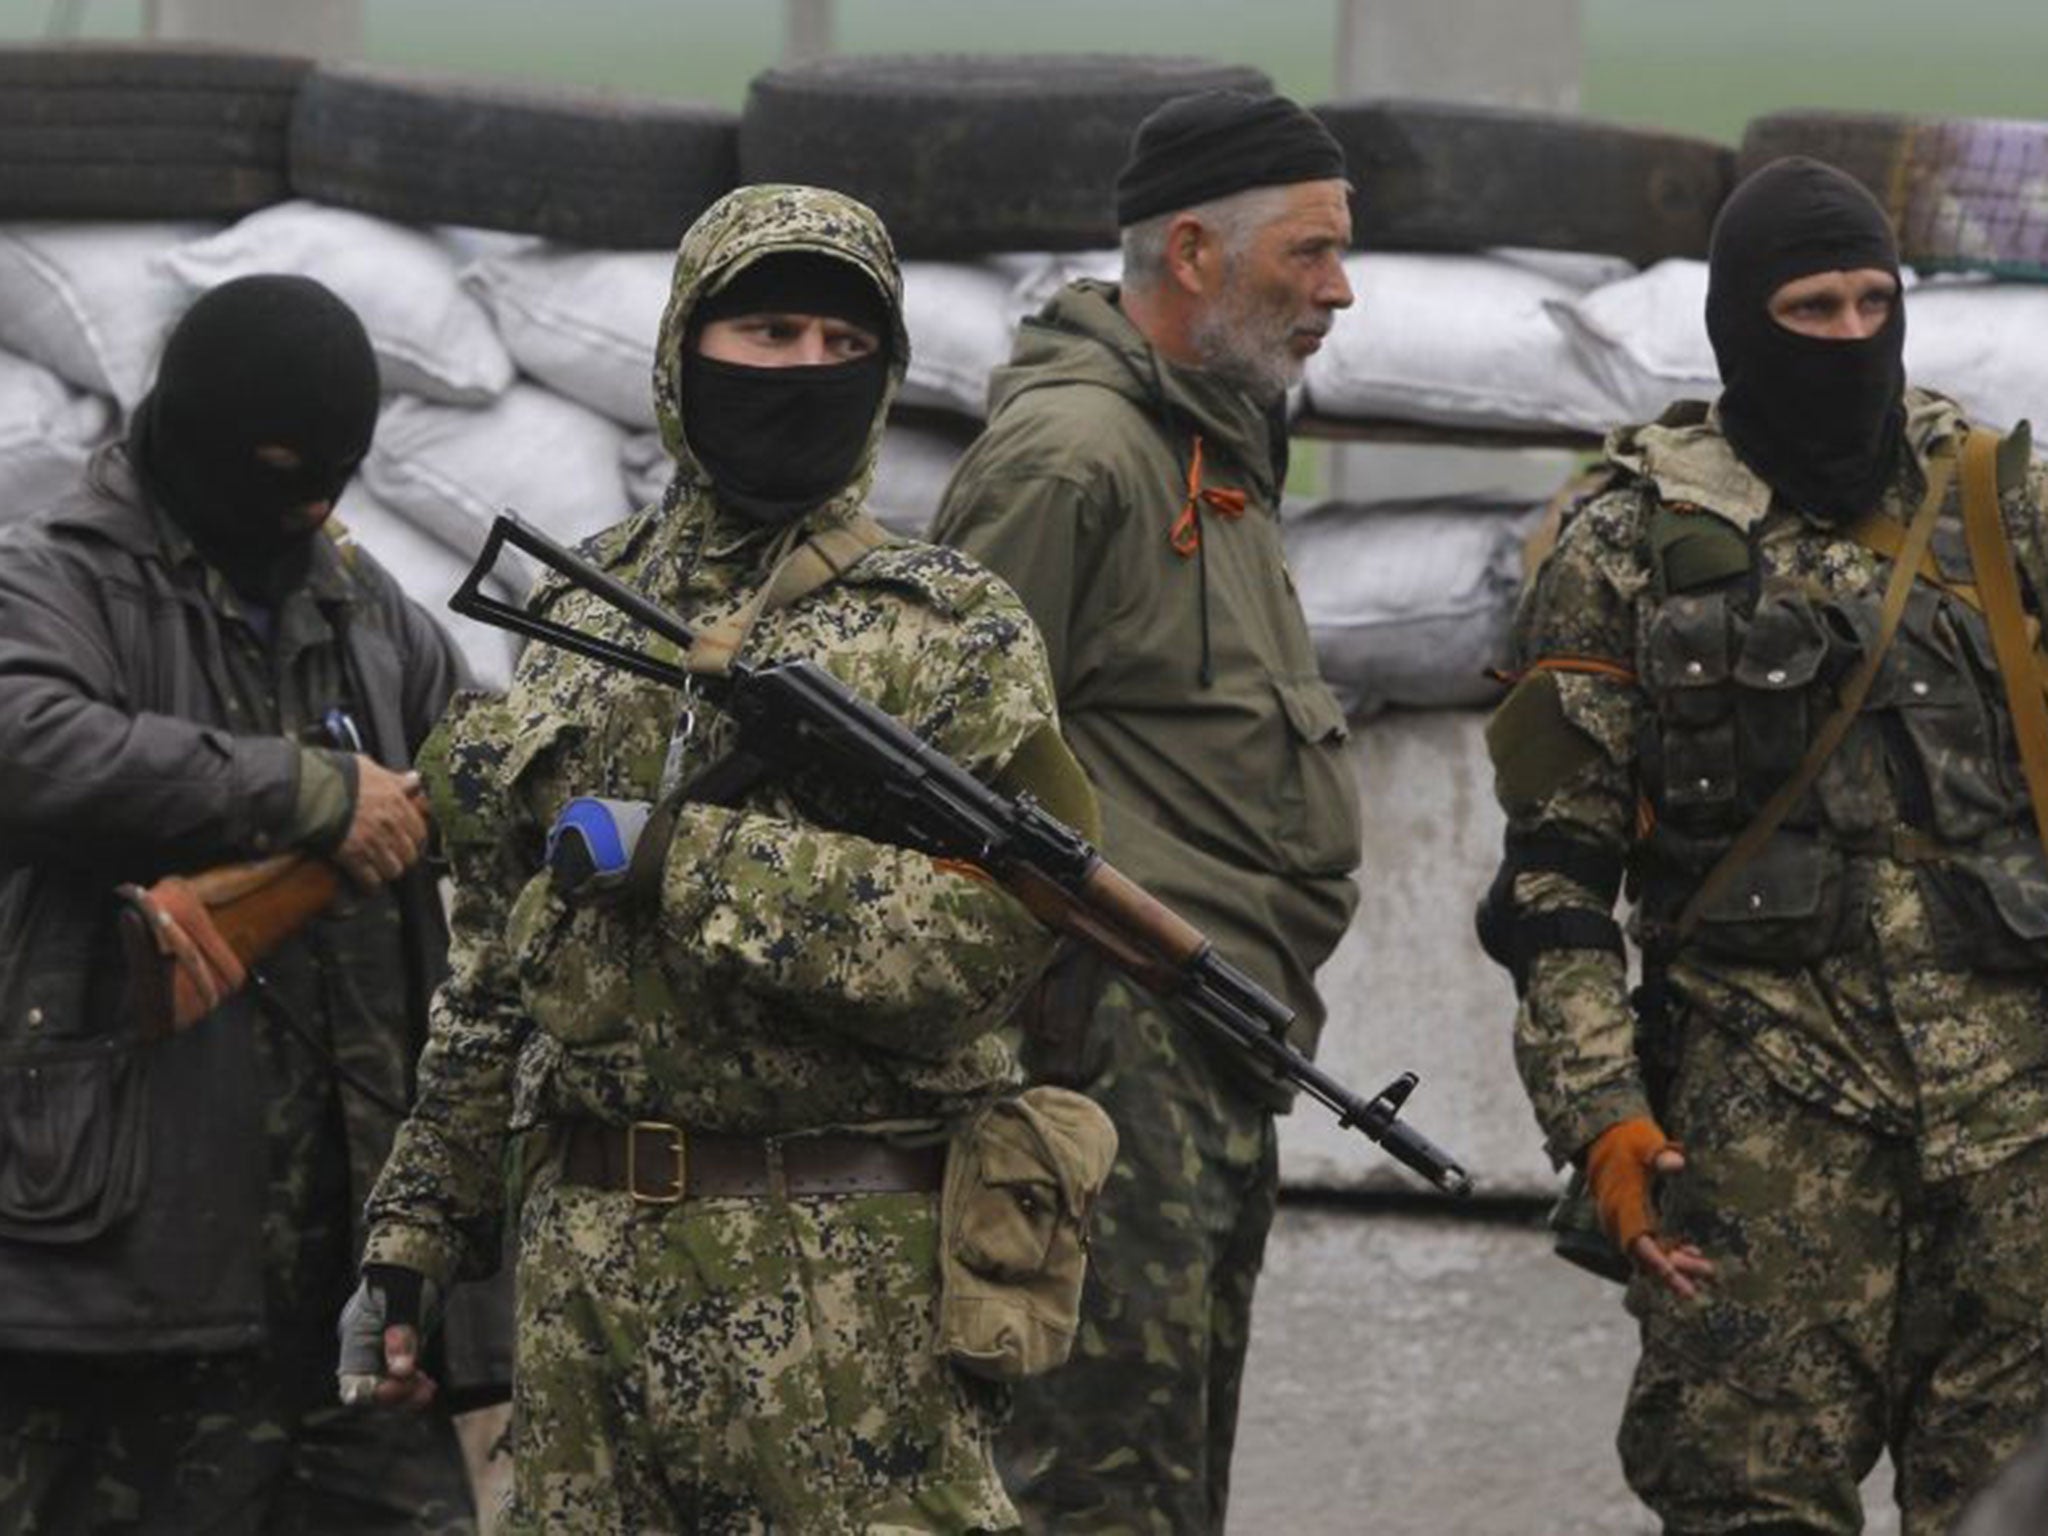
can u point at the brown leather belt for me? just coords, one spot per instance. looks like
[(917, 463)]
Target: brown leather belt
[(661, 1164)]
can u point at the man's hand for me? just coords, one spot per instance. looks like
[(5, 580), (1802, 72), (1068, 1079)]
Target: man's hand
[(1622, 1166), (381, 1332), (389, 828)]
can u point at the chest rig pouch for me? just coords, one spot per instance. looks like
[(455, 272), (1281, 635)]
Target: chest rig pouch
[(1740, 670)]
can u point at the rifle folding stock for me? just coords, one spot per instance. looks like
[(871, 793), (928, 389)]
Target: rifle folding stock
[(796, 719)]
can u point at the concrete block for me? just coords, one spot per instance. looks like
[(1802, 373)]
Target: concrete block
[(1409, 987)]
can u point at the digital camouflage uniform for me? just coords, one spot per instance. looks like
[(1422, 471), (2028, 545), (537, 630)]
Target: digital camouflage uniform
[(1854, 1056), (724, 1365), (1188, 689)]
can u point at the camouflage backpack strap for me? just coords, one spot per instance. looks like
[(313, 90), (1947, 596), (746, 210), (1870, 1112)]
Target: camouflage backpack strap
[(798, 571), (1854, 689)]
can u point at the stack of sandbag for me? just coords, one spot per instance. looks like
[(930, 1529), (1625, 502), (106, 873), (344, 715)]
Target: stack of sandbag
[(1409, 603)]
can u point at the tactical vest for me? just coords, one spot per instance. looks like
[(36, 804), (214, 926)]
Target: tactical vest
[(1741, 664)]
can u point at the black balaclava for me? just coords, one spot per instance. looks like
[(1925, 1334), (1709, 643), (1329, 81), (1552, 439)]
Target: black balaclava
[(266, 360), (777, 442), (1819, 420)]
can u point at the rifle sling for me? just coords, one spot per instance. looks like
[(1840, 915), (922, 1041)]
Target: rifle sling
[(1854, 690), (815, 563), (1998, 582)]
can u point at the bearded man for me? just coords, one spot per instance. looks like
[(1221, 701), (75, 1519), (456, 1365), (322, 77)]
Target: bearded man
[(1128, 488), (1766, 671)]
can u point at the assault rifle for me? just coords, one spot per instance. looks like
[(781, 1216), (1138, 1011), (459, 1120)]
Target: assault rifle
[(795, 719)]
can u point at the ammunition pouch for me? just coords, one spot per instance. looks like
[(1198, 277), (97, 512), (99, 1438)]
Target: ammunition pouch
[(1022, 1177)]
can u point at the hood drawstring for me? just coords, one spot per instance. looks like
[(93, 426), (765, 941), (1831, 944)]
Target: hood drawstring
[(1186, 538)]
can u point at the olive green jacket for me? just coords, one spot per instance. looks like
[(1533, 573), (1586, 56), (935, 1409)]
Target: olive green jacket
[(1231, 798)]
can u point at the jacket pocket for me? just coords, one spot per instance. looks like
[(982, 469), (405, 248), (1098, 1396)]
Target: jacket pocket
[(1320, 826), (1685, 661), (1783, 648), (1787, 905), (73, 1154), (1989, 906)]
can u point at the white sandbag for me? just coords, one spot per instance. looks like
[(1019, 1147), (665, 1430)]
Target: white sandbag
[(1645, 338), (1408, 606), (1983, 343), (92, 302), (431, 338), (961, 319), (429, 571), (646, 465), (47, 432), (917, 459), (1460, 341), (581, 322), (451, 469)]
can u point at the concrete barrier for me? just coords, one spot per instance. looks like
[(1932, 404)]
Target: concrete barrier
[(1409, 988)]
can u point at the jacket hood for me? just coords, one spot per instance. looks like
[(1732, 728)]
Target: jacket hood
[(1687, 453), (739, 229), (1081, 336)]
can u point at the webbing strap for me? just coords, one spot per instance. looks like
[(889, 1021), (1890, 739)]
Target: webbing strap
[(1998, 582), (1854, 690), (818, 561)]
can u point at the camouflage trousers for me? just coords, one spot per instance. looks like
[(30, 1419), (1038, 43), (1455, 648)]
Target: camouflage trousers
[(225, 1444), (1858, 1308), (1134, 1434), (728, 1366)]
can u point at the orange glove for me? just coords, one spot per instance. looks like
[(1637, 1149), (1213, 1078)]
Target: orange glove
[(205, 970), (1619, 1170)]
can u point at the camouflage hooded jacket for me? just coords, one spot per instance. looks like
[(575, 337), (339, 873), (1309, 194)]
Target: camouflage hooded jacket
[(1682, 644), (788, 977)]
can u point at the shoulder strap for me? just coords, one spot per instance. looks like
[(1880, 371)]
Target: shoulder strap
[(1854, 690), (1998, 584), (817, 562)]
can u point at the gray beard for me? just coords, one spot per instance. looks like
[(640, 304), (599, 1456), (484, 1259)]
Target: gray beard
[(1247, 349)]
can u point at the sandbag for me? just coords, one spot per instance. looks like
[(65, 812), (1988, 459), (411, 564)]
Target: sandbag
[(449, 470), (47, 433), (92, 302), (431, 338), (1409, 605), (1462, 341)]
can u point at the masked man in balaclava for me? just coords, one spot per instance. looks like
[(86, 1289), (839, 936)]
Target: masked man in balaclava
[(722, 1043), (1821, 1137), (195, 672)]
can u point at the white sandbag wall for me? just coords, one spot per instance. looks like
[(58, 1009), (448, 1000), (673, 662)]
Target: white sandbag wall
[(517, 369)]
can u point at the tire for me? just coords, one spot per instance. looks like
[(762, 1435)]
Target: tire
[(601, 172), (1965, 194), (970, 153), (92, 131), (1433, 176)]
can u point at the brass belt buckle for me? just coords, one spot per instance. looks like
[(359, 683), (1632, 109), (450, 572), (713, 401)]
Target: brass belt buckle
[(674, 1193)]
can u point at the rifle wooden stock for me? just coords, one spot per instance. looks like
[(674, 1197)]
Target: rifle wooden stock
[(258, 906)]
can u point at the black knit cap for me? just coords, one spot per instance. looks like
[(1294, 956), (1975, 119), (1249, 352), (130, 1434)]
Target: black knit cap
[(1198, 148), (799, 283)]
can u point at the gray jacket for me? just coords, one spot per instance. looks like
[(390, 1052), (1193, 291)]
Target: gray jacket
[(131, 1176)]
